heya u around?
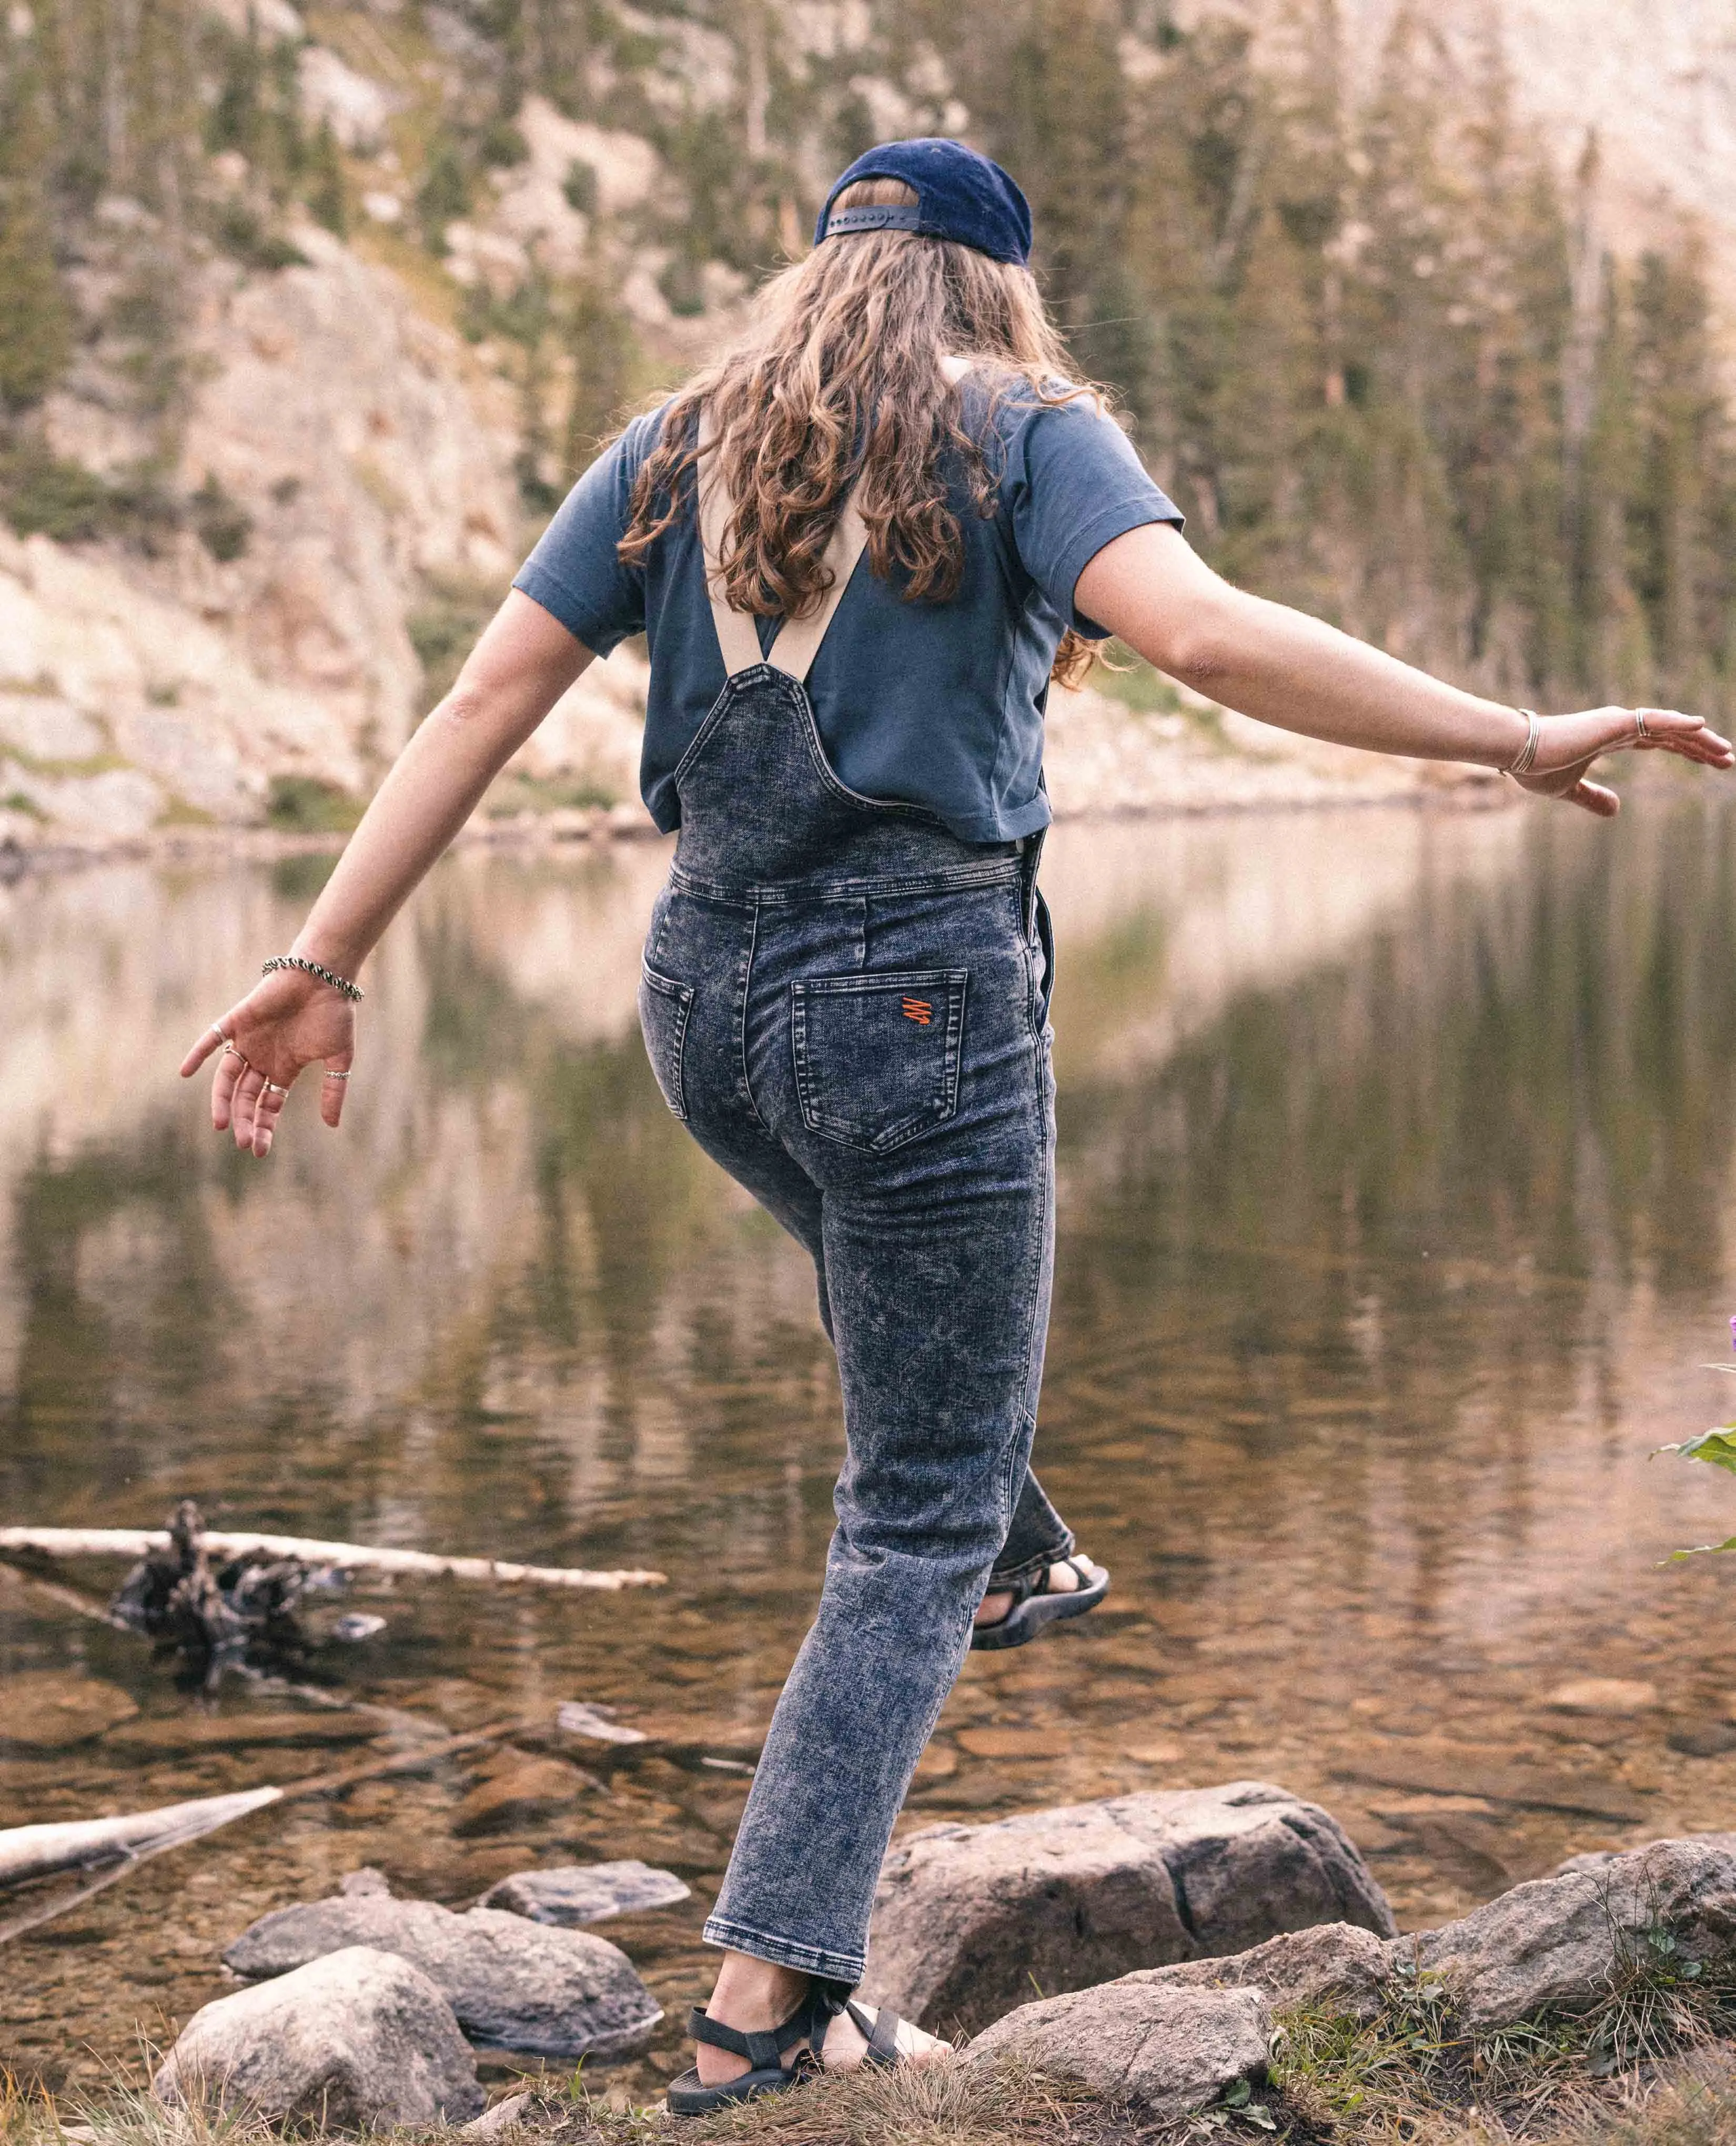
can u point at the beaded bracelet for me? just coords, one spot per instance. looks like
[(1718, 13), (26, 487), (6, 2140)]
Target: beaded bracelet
[(314, 969)]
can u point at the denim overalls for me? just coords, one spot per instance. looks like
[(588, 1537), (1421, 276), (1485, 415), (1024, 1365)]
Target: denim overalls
[(847, 1006)]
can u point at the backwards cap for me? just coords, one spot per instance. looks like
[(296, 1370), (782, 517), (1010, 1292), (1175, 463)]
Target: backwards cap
[(959, 195)]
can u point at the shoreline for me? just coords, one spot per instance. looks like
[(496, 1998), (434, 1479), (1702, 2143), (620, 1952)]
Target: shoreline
[(603, 825)]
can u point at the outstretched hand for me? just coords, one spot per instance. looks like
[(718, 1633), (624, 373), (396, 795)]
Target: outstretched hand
[(287, 1022), (1568, 745)]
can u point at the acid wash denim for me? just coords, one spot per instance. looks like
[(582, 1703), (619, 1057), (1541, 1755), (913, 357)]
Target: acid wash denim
[(847, 1006)]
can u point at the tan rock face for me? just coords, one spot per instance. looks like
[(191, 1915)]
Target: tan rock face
[(351, 432)]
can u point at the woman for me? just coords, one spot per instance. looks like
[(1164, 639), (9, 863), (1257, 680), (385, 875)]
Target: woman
[(846, 979)]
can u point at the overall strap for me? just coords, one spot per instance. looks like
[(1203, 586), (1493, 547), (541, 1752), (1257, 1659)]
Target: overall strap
[(798, 640)]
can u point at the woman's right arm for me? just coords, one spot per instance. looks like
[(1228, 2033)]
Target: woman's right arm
[(523, 663), (1281, 665)]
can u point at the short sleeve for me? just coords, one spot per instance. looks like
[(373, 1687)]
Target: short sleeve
[(576, 572), (1074, 484)]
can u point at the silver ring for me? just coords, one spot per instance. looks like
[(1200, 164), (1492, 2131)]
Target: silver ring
[(230, 1044), (331, 1075), (1640, 730), (216, 1031), (271, 1088)]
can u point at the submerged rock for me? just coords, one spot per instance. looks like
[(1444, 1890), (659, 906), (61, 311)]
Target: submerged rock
[(1167, 2051), (586, 1893), (1564, 1940), (519, 1794), (357, 2041), (47, 1711), (1335, 1967), (967, 1918), (514, 1984)]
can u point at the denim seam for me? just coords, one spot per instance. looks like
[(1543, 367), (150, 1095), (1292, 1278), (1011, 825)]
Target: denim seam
[(957, 878), (743, 985), (785, 1952), (1042, 1224)]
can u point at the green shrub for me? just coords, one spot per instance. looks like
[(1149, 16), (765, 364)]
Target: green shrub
[(40, 494), (222, 524), (579, 186), (303, 805)]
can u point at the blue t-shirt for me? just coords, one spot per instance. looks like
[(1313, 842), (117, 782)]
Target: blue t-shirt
[(938, 705)]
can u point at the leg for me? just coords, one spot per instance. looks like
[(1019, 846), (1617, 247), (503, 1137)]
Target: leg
[(938, 1265)]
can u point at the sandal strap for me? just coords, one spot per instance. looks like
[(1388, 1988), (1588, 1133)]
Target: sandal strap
[(763, 2051), (883, 2041)]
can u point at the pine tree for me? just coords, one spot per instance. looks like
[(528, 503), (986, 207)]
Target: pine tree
[(35, 317)]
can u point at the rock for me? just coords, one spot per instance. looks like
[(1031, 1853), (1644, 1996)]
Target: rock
[(366, 1883), (586, 1893), (357, 2041), (1559, 1941), (513, 1984), (993, 1742), (519, 1793), (501, 2117), (1446, 1769), (1335, 1967), (1702, 1739), (1603, 1695), (234, 1732), (967, 1918), (46, 1711), (1167, 2051)]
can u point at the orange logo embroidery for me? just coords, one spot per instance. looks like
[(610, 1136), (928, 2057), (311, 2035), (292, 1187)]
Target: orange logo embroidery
[(919, 1011)]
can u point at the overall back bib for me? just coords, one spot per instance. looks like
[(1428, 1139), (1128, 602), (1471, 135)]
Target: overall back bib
[(847, 1006)]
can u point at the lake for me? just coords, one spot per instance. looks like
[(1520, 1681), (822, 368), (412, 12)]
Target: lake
[(1394, 1232)]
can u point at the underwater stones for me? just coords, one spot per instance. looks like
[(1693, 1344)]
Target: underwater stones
[(1562, 1940), (514, 1984), (586, 1893), (356, 2041), (43, 1710), (519, 1794), (1166, 2051), (967, 1918)]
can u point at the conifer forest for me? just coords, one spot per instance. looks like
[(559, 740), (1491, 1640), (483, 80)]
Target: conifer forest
[(1377, 345)]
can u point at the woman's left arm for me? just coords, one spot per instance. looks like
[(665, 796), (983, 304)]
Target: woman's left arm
[(1152, 589)]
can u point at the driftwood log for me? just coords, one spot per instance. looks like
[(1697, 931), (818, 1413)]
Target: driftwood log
[(324, 1556), (39, 1851)]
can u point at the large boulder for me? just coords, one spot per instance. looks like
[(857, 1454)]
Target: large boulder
[(514, 1984), (1335, 1967), (577, 1893), (1561, 1941), (1167, 2052), (967, 1918), (357, 2041)]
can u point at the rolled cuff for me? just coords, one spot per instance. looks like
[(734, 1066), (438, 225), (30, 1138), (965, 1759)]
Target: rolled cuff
[(843, 1967)]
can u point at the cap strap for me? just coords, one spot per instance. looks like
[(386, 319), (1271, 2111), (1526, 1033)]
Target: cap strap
[(893, 215)]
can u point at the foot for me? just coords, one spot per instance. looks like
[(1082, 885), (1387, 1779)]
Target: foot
[(752, 1996), (1064, 1579)]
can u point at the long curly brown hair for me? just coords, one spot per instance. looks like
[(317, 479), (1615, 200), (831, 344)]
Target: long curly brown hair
[(836, 383)]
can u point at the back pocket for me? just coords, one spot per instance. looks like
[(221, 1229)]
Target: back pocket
[(877, 1056), (663, 1006)]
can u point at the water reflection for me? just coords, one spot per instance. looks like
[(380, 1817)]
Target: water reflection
[(1394, 1181)]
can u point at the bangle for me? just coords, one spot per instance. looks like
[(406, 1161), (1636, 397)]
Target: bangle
[(1521, 763), (312, 969)]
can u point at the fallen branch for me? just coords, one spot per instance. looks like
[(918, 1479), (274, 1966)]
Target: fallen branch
[(331, 1556), (39, 1851)]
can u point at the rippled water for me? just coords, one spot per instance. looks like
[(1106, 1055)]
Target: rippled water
[(1396, 1173)]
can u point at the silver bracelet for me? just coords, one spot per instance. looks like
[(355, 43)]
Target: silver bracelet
[(314, 969), (1528, 752)]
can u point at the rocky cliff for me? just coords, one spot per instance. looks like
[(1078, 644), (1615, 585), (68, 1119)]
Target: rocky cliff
[(365, 415)]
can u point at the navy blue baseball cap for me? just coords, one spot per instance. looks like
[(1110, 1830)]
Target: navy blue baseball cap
[(959, 195)]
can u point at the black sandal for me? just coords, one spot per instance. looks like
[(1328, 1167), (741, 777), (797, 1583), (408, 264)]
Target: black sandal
[(765, 2052), (1034, 1606)]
